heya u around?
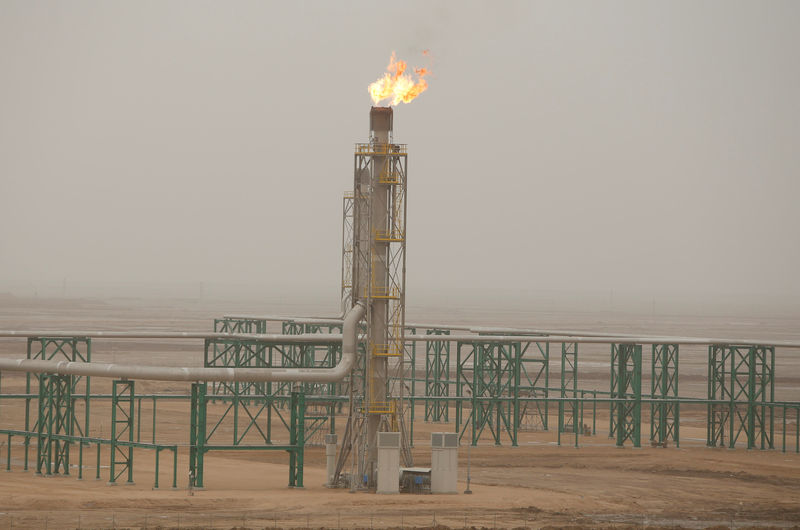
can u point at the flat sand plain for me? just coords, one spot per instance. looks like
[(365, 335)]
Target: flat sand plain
[(537, 484)]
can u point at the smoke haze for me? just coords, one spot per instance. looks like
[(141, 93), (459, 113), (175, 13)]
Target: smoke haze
[(565, 153)]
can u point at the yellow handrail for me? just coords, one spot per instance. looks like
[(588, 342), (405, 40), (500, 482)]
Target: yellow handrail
[(381, 149), (392, 177), (393, 235), (381, 407), (383, 292), (386, 350)]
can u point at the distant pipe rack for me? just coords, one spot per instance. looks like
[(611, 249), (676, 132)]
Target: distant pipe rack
[(328, 338), (541, 335), (349, 338), (276, 338)]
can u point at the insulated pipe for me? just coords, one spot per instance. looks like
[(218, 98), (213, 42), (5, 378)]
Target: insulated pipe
[(327, 338), (304, 338), (540, 335), (625, 339), (431, 325), (162, 373)]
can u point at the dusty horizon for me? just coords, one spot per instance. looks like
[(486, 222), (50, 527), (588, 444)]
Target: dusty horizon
[(619, 309), (629, 148)]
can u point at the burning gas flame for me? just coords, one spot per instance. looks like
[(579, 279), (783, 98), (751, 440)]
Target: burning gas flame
[(398, 86)]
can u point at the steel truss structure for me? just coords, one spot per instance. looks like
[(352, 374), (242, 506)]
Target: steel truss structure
[(498, 381), (200, 436), (311, 355), (379, 259), (569, 409), (498, 387), (487, 372), (741, 394), (54, 418), (437, 377), (122, 400), (347, 250), (61, 421), (625, 421), (664, 409), (534, 383), (224, 354), (377, 252), (245, 404), (75, 349), (319, 413)]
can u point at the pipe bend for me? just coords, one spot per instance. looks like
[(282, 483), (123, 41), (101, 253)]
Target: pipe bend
[(350, 336), (350, 331)]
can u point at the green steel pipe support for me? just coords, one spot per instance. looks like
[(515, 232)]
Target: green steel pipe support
[(783, 445), (80, 460), (154, 420), (175, 468)]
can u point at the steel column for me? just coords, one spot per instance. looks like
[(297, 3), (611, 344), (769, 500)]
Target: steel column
[(122, 418), (665, 414), (626, 393), (568, 410)]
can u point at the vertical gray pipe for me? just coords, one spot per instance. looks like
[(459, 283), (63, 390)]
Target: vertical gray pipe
[(381, 121)]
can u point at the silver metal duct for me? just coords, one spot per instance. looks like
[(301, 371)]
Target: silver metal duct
[(540, 335), (624, 339), (327, 338), (303, 338), (161, 373)]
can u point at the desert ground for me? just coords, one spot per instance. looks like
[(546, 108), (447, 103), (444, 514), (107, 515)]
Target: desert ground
[(535, 485)]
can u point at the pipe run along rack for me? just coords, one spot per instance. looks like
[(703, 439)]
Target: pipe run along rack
[(498, 386)]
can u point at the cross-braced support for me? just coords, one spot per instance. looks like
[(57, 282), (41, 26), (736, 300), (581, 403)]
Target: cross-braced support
[(492, 382), (240, 397), (568, 412), (236, 354), (296, 438), (75, 349), (534, 366), (122, 415), (437, 377), (665, 408), (222, 353), (626, 393), (347, 251), (202, 432), (320, 416), (197, 434), (741, 391), (54, 419)]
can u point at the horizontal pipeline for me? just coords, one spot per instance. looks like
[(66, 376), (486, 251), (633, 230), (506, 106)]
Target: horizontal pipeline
[(349, 340), (332, 338), (485, 339), (331, 321), (533, 335), (275, 338)]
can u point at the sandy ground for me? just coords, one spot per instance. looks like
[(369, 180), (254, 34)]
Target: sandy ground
[(537, 484)]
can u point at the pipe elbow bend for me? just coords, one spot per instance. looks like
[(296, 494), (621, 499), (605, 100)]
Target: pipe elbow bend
[(350, 329)]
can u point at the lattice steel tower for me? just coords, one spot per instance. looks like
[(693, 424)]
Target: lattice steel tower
[(378, 280)]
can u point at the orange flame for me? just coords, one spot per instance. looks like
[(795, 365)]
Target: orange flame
[(397, 85)]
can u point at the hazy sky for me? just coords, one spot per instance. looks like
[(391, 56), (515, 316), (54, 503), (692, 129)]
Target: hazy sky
[(628, 146)]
